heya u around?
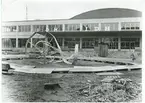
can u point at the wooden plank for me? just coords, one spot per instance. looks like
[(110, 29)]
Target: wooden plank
[(61, 69), (15, 56), (102, 68), (42, 70), (35, 70)]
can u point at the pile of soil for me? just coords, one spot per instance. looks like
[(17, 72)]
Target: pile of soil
[(110, 89)]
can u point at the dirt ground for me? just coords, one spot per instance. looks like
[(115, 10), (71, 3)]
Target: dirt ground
[(23, 87)]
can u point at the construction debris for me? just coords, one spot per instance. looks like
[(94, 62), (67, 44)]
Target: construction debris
[(111, 89)]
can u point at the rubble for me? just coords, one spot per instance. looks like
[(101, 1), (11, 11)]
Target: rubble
[(111, 89)]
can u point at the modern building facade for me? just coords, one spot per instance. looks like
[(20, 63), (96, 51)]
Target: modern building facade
[(120, 27)]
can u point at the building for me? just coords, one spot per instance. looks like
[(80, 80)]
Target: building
[(120, 27)]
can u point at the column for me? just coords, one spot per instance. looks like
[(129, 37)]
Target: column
[(47, 29), (81, 27), (17, 36), (99, 26), (63, 27), (31, 28), (80, 43), (16, 42), (119, 43), (119, 26)]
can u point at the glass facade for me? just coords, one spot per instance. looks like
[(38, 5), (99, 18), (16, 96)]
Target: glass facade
[(109, 26), (130, 26), (57, 27), (53, 43), (8, 42), (9, 28), (72, 27), (70, 42), (90, 42), (90, 27), (75, 27), (87, 42), (130, 43), (24, 28), (113, 43), (22, 43), (35, 40), (39, 28)]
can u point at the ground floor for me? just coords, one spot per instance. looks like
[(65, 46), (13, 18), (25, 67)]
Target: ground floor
[(123, 40)]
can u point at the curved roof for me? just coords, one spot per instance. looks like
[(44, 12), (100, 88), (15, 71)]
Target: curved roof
[(108, 13)]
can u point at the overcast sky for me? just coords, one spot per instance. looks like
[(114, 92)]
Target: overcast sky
[(13, 10)]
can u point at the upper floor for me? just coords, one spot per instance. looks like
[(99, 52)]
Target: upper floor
[(70, 25)]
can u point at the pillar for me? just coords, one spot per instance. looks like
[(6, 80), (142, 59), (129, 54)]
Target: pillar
[(119, 26), (81, 26), (99, 26), (16, 42), (80, 43), (63, 27), (31, 28), (47, 29), (17, 36)]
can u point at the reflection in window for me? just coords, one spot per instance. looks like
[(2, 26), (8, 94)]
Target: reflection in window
[(72, 27), (57, 27), (22, 43), (89, 42), (90, 27), (39, 28), (53, 43), (130, 43), (8, 42), (35, 40), (130, 26), (113, 43), (70, 42), (24, 28), (109, 26), (9, 28)]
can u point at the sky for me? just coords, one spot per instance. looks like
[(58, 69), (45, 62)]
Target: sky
[(15, 10)]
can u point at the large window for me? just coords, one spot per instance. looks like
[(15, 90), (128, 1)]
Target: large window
[(53, 43), (70, 42), (89, 42), (22, 43), (72, 27), (35, 40), (8, 42), (90, 27), (39, 28), (113, 43), (9, 29), (130, 26), (109, 26), (24, 28), (59, 41), (57, 27), (130, 43)]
